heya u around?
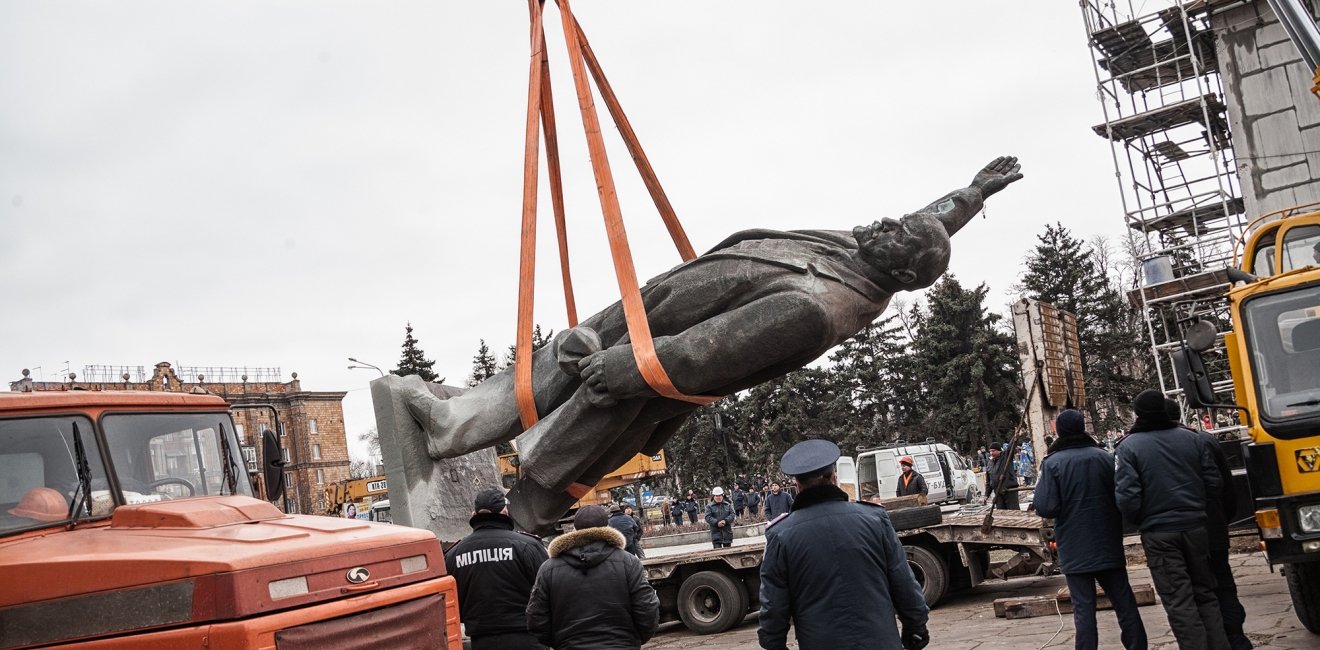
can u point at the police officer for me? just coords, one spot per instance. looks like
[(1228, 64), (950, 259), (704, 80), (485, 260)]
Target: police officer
[(495, 568), (848, 573)]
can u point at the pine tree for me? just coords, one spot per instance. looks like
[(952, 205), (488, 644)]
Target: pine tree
[(539, 341), (970, 367), (483, 365), (1063, 271), (414, 361)]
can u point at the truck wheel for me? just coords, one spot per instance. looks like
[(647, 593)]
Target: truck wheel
[(915, 517), (1304, 585), (710, 602), (931, 571)]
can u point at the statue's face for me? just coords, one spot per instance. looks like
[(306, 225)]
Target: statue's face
[(914, 251)]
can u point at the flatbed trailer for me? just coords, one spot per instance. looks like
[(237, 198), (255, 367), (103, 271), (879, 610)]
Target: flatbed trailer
[(712, 590)]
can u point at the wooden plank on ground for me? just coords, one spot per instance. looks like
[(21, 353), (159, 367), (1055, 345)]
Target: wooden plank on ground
[(1019, 607)]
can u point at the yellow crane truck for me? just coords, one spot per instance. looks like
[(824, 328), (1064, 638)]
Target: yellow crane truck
[(1273, 353)]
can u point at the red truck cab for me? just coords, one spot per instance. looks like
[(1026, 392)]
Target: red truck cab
[(127, 521)]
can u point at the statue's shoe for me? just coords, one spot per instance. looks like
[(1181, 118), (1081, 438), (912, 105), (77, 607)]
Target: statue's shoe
[(575, 345)]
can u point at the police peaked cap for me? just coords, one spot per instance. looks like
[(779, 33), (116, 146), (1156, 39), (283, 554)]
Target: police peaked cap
[(809, 457)]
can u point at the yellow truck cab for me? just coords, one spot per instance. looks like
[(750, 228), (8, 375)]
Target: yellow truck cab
[(1273, 351)]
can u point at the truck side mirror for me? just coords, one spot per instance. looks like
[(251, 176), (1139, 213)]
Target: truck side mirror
[(1192, 378), (273, 465), (1200, 336)]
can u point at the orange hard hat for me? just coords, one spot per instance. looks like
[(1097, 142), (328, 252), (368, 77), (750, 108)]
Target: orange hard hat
[(42, 504), (907, 460)]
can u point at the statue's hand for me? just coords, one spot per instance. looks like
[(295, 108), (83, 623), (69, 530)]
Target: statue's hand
[(592, 368), (997, 175)]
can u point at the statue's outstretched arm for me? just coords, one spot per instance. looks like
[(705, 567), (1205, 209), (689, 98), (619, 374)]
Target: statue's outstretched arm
[(958, 207)]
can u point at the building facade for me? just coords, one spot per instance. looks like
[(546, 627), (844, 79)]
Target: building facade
[(313, 440)]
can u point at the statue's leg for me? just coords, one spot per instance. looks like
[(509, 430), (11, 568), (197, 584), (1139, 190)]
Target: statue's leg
[(487, 414)]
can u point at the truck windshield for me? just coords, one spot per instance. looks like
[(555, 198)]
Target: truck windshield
[(174, 455), (1283, 332), (39, 472)]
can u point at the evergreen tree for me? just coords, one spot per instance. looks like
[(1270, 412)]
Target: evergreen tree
[(539, 341), (414, 361), (1063, 271), (483, 365), (970, 368)]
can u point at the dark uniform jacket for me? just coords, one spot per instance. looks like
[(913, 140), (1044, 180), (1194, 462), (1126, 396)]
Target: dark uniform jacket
[(995, 468), (1162, 479), (720, 511), (1076, 489), (916, 485), (777, 504), (629, 528), (495, 568), (837, 571), (592, 594)]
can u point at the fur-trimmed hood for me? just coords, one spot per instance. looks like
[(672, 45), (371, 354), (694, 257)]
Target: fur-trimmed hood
[(587, 547)]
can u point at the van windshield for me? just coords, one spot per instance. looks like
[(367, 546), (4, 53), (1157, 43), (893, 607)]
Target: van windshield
[(39, 472)]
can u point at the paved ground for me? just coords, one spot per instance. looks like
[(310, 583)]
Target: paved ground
[(966, 621)]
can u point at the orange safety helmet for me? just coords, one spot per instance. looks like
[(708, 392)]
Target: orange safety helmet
[(906, 460), (42, 504)]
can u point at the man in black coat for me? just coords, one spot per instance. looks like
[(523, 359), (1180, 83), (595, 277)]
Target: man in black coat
[(1217, 519), (591, 593), (1164, 478), (777, 502), (719, 516), (1076, 489), (628, 527), (909, 482), (495, 568), (1000, 479), (835, 569), (690, 506)]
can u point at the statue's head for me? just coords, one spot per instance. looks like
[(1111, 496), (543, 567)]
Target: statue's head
[(913, 251)]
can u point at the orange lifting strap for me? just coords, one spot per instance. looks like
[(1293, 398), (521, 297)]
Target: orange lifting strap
[(540, 115)]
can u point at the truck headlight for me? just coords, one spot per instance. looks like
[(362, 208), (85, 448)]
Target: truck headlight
[(1308, 518)]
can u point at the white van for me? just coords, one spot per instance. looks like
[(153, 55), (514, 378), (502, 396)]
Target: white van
[(948, 478)]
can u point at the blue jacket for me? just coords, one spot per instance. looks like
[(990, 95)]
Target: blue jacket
[(1161, 479), (716, 512), (777, 504), (836, 570), (1076, 489)]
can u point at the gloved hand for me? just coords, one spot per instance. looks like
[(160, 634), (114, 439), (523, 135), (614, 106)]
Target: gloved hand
[(915, 638)]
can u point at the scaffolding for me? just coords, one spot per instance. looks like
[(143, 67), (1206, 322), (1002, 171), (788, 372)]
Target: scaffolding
[(1157, 79)]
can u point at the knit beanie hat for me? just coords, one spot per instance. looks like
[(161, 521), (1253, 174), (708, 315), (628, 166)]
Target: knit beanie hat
[(1070, 423), (590, 517), (1173, 410), (1150, 404)]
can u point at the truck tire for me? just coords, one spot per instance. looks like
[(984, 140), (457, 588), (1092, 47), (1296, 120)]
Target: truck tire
[(711, 602), (915, 517), (1304, 585), (931, 572)]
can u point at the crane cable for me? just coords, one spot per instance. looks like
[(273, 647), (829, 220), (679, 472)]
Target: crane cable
[(540, 115)]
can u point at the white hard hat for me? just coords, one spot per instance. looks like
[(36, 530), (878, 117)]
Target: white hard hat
[(717, 491)]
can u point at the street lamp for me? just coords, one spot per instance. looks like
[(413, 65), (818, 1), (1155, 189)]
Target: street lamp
[(364, 365)]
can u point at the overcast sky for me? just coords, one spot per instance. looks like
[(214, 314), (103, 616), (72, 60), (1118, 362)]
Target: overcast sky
[(286, 184)]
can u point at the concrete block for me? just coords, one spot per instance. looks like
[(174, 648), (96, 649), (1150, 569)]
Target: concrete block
[(1238, 54), (1279, 178), (1269, 139), (1271, 32), (1265, 91), (424, 493), (1273, 56)]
